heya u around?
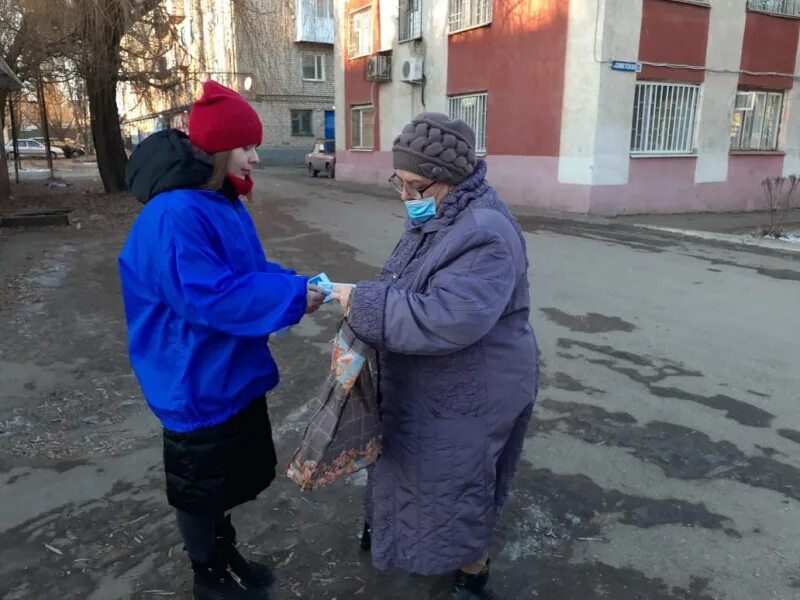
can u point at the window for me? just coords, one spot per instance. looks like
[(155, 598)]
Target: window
[(323, 9), (410, 25), (313, 67), (779, 7), (469, 13), (664, 117), (472, 109), (363, 127), (360, 34), (301, 122), (756, 118)]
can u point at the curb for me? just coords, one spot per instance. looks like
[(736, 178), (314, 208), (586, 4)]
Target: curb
[(741, 240)]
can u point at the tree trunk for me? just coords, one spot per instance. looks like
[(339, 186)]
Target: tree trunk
[(106, 133), (5, 183), (102, 75), (45, 125)]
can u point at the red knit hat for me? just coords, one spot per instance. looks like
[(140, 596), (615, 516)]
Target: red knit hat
[(222, 120)]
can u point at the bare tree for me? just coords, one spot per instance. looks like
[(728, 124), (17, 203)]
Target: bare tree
[(780, 198)]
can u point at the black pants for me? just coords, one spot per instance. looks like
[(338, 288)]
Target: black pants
[(199, 533)]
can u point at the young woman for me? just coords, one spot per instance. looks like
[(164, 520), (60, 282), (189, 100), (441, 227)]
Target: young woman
[(201, 300)]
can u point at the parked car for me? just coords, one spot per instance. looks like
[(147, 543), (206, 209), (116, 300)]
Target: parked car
[(322, 158), (71, 148), (32, 149)]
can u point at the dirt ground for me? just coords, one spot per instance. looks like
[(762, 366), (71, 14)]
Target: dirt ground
[(663, 463)]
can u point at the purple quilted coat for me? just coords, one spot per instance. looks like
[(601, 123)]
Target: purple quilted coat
[(458, 377)]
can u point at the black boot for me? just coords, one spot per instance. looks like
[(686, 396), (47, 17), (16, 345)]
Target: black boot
[(249, 573), (366, 537), (472, 587), (213, 581)]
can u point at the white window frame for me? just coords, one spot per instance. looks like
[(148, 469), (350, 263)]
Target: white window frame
[(473, 109), (789, 8), (664, 119), (753, 129), (360, 34), (468, 14), (357, 141), (409, 26), (319, 66)]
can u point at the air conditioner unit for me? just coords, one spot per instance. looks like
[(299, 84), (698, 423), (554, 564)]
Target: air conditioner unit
[(379, 68), (411, 70)]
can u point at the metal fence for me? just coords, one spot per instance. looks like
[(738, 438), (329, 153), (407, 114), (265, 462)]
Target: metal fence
[(472, 109), (664, 117)]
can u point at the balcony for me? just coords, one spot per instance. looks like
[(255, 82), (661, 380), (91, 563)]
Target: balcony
[(315, 21)]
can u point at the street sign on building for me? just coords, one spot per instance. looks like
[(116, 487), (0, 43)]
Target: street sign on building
[(626, 65)]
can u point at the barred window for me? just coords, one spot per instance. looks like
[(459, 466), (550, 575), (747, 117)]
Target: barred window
[(464, 14), (664, 118), (410, 26), (778, 7), (471, 108), (756, 120)]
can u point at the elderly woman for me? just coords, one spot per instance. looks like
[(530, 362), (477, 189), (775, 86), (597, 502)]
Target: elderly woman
[(458, 361)]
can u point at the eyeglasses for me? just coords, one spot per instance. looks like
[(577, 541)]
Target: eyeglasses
[(401, 186)]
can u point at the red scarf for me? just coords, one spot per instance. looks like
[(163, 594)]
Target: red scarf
[(243, 185)]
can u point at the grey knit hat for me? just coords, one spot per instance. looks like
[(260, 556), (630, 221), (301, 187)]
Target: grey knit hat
[(437, 147)]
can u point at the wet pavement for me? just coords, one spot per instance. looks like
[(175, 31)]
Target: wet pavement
[(664, 463)]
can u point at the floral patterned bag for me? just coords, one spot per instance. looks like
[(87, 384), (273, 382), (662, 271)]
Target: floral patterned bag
[(343, 435)]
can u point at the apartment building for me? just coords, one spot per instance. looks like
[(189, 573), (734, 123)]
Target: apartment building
[(277, 54), (597, 106)]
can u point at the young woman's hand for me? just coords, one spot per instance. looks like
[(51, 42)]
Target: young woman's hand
[(314, 299), (343, 294)]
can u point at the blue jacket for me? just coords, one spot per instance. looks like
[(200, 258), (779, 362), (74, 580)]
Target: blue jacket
[(201, 300)]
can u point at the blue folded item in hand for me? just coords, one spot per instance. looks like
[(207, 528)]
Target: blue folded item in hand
[(322, 282)]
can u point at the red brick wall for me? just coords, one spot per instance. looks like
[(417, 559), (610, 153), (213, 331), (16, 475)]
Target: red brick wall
[(519, 60)]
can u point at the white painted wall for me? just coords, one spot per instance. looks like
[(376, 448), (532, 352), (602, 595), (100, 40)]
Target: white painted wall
[(790, 127), (725, 39), (338, 66), (399, 101), (598, 102)]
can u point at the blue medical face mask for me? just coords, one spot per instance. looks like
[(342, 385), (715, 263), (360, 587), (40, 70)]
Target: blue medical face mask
[(421, 210)]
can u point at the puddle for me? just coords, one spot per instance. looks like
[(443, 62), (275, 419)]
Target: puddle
[(588, 323)]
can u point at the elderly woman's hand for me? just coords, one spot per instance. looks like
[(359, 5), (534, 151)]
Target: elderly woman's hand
[(343, 294)]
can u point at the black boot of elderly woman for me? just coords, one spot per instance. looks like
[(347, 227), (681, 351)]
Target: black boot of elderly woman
[(251, 574), (366, 537), (468, 586), (213, 581)]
